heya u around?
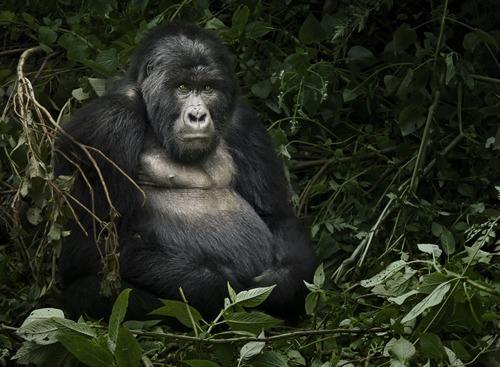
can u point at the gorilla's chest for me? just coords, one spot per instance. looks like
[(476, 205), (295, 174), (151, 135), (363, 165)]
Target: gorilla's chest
[(197, 202), (187, 191), (157, 170)]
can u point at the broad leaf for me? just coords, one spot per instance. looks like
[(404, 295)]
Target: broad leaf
[(251, 349), (253, 297), (433, 299), (385, 274), (180, 311), (401, 349), (431, 346), (41, 332), (118, 314), (269, 358), (404, 36), (253, 322), (128, 352), (311, 30), (43, 314), (200, 363), (87, 350)]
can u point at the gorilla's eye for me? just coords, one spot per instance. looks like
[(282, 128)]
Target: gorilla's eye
[(184, 88), (208, 88)]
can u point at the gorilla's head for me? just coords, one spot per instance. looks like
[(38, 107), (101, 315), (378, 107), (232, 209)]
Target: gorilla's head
[(186, 80)]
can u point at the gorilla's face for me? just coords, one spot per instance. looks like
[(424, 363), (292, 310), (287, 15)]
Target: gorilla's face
[(189, 91)]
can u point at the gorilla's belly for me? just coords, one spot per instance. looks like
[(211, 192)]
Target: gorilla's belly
[(216, 223)]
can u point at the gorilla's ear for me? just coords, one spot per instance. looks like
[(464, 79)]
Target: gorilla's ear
[(145, 71), (149, 68)]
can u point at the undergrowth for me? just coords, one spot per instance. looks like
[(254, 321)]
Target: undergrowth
[(386, 115)]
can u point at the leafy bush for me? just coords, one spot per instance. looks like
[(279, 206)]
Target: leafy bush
[(386, 116)]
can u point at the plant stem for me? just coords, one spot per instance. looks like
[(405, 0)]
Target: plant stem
[(424, 143)]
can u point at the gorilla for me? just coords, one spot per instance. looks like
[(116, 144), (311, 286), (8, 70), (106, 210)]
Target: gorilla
[(216, 207)]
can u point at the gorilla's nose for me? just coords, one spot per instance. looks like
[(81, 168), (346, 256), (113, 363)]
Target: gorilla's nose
[(197, 117)]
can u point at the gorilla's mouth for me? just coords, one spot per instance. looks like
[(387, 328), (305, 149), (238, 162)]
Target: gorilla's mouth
[(193, 137)]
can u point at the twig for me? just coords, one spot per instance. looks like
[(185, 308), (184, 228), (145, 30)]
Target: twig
[(284, 336), (365, 243), (320, 162), (424, 143)]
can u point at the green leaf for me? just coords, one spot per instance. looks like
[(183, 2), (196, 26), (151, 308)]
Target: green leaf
[(251, 349), (77, 328), (402, 350), (385, 274), (40, 331), (403, 89), (311, 31), (77, 49), (98, 85), (96, 67), (311, 303), (53, 355), (447, 241), (391, 84), (255, 30), (269, 358), (200, 363), (433, 299), (450, 67), (103, 7), (79, 94), (253, 322), (319, 276), (411, 118), (470, 41), (361, 56), (401, 299), (262, 89), (108, 59), (128, 352), (46, 35), (431, 346), (460, 350), (138, 6), (404, 36), (351, 94), (454, 360), (431, 281), (88, 351), (231, 292), (430, 248), (253, 297), (43, 314), (437, 229), (486, 38), (118, 314), (6, 17), (180, 311), (296, 358), (239, 20)]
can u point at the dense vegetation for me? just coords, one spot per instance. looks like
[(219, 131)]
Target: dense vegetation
[(387, 117)]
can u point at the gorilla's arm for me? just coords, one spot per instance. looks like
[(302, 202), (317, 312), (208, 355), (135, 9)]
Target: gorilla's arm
[(114, 124), (261, 182)]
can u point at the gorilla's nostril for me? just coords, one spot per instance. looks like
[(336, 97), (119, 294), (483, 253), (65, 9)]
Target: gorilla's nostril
[(196, 116)]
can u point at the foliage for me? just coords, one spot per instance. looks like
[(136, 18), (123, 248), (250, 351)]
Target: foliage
[(386, 115)]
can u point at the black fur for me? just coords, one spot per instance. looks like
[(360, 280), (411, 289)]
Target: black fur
[(258, 242)]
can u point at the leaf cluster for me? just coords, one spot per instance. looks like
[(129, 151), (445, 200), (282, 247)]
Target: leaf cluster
[(386, 115)]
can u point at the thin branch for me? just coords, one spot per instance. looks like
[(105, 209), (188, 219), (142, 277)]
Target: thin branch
[(419, 164), (320, 162), (485, 79), (291, 335)]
